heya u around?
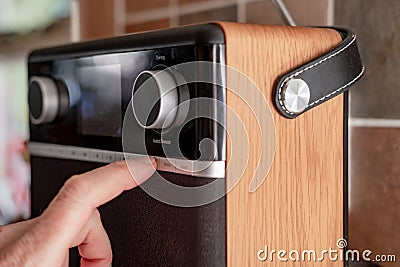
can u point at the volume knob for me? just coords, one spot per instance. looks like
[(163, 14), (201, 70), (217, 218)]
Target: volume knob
[(46, 101), (158, 99)]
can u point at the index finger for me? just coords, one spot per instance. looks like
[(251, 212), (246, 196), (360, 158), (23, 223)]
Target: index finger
[(81, 194)]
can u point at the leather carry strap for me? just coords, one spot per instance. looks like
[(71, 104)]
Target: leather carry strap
[(321, 79)]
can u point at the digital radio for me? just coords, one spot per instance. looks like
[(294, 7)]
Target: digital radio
[(248, 125)]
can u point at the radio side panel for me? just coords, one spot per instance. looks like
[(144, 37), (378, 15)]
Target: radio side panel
[(301, 203)]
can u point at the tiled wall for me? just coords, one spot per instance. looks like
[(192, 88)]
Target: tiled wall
[(375, 100), (375, 139), (112, 17), (164, 13)]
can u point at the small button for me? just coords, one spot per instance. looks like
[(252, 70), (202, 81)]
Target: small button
[(96, 155), (81, 153), (68, 152), (109, 156)]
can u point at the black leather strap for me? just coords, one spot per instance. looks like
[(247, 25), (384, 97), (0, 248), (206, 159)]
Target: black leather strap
[(326, 76)]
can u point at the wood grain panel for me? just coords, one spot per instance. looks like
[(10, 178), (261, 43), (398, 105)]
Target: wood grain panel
[(300, 204)]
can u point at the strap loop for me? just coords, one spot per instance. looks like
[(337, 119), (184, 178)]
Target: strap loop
[(326, 76)]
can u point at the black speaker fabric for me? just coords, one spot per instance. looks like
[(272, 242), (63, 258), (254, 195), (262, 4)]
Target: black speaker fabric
[(142, 230)]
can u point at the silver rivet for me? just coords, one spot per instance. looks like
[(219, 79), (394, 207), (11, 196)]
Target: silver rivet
[(296, 95)]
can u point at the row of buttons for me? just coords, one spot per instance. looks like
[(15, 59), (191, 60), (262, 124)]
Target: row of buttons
[(212, 169), (77, 153)]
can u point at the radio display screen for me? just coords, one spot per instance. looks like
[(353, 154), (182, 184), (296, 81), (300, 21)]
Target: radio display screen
[(99, 111)]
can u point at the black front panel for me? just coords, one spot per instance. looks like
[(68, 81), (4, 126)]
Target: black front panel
[(142, 230), (89, 128), (100, 90)]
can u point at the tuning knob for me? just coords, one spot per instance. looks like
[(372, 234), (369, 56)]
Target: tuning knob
[(46, 100), (159, 99)]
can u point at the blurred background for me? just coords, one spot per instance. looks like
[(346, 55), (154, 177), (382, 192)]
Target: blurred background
[(374, 211)]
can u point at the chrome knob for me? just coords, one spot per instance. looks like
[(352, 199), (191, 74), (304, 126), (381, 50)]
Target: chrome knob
[(44, 101), (296, 96), (158, 99)]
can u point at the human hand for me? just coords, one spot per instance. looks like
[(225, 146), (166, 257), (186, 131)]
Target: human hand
[(72, 219)]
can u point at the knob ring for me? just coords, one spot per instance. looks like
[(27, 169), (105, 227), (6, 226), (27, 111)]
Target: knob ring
[(166, 86), (184, 97), (50, 100)]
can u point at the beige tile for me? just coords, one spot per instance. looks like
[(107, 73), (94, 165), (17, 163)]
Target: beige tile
[(222, 14), (377, 24), (305, 12), (139, 5), (374, 218), (147, 26), (96, 19), (183, 2)]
